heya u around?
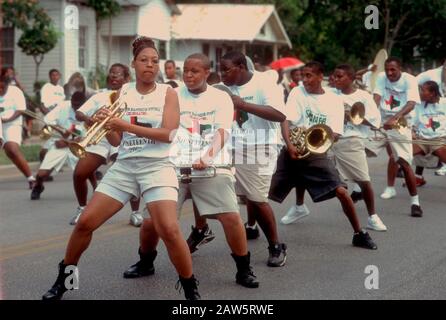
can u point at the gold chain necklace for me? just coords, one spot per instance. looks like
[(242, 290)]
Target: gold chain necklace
[(148, 92)]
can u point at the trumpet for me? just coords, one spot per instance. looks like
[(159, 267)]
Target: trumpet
[(97, 131), (355, 114), (400, 125), (49, 130), (315, 140)]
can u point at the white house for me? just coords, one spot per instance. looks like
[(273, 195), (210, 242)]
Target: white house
[(178, 30)]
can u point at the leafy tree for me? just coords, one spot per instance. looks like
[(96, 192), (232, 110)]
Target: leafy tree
[(39, 35)]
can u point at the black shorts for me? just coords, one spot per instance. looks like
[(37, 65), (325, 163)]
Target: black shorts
[(316, 173)]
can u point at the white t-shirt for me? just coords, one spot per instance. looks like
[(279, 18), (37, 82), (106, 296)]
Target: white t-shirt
[(201, 116), (433, 75), (372, 113), (395, 95), (430, 121), (12, 101), (51, 95), (96, 102), (259, 90), (64, 115), (305, 109), (366, 80), (146, 111)]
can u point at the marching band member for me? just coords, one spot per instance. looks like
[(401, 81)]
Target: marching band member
[(12, 102), (430, 121), (396, 94), (151, 116), (349, 150), (64, 117), (205, 125), (307, 106), (97, 155)]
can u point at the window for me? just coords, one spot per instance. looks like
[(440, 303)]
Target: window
[(262, 31), (82, 47), (162, 50), (7, 47), (206, 48)]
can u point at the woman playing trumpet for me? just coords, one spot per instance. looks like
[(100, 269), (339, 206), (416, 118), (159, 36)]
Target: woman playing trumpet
[(144, 136)]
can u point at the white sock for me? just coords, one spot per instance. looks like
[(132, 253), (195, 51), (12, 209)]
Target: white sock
[(443, 164), (135, 212), (415, 200), (31, 178), (356, 188), (251, 227), (418, 176), (300, 206), (81, 208), (390, 189)]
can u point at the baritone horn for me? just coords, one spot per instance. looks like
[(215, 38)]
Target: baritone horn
[(97, 131), (315, 140)]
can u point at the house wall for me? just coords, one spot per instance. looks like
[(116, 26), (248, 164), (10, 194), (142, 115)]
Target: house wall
[(154, 20), (181, 49), (124, 24)]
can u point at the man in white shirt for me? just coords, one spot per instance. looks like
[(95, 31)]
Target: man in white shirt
[(64, 117), (396, 94), (308, 106), (52, 92), (12, 103)]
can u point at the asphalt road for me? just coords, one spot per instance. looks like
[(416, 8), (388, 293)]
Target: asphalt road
[(322, 263)]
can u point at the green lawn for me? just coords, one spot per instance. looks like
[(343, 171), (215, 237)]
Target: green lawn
[(31, 153)]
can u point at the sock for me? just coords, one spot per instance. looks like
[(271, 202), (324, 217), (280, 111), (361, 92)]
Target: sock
[(135, 212), (31, 178), (356, 188), (300, 206), (390, 189), (419, 176), (251, 227), (415, 200)]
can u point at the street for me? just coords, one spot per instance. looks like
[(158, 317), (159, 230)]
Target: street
[(321, 263)]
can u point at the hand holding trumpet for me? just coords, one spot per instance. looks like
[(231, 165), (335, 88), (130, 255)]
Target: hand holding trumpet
[(114, 123)]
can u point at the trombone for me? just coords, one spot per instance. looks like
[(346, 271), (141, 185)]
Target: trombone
[(49, 130), (355, 114), (97, 131)]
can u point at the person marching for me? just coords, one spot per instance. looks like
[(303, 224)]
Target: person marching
[(151, 117), (12, 102), (349, 150), (307, 106), (205, 126), (430, 122), (396, 94), (97, 155), (64, 117)]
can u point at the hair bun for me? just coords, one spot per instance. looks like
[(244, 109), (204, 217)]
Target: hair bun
[(142, 43)]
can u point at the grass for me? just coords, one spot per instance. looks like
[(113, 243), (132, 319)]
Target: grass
[(31, 153)]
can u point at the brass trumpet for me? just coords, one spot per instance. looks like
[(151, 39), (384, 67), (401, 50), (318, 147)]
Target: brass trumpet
[(355, 114), (97, 131), (315, 140)]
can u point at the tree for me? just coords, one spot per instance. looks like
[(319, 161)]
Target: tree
[(39, 35), (103, 9)]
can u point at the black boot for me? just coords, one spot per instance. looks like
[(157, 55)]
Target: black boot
[(144, 267), (245, 276), (190, 287), (58, 289)]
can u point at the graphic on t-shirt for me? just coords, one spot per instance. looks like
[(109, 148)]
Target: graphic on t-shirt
[(197, 127), (432, 124), (393, 102), (316, 118)]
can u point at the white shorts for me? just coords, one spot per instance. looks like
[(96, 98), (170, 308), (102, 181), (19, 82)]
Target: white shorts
[(12, 134), (253, 175), (103, 149), (211, 195), (401, 150), (153, 179), (56, 158), (49, 143)]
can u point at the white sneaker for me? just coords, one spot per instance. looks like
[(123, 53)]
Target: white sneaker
[(388, 193), (441, 171), (375, 223), (295, 213), (136, 219), (75, 219)]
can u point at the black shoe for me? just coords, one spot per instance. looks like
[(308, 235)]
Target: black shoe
[(198, 238), (58, 289), (356, 196), (37, 190), (252, 233), (363, 240), (245, 276), (98, 174), (415, 211), (277, 255), (190, 287), (144, 267)]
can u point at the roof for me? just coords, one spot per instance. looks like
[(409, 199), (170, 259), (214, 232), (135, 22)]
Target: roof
[(224, 22)]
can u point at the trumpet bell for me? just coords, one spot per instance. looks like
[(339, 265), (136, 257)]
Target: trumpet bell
[(78, 150), (319, 139), (46, 133), (357, 113)]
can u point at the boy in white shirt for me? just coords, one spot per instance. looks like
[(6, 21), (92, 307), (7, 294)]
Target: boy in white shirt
[(307, 106), (396, 94), (52, 92), (12, 103)]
